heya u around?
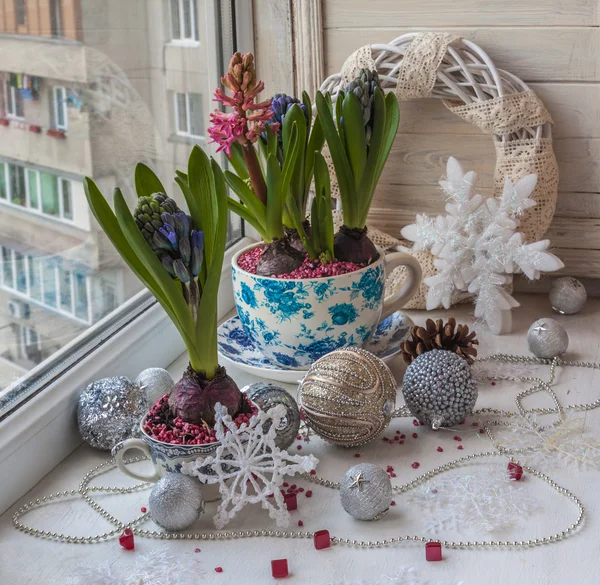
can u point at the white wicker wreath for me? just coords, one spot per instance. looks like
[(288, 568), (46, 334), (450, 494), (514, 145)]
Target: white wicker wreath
[(462, 75)]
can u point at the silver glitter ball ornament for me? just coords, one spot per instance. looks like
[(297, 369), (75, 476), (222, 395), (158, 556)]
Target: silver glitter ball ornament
[(176, 501), (266, 396), (439, 388), (109, 410), (348, 396), (547, 339), (567, 296), (155, 382), (366, 492)]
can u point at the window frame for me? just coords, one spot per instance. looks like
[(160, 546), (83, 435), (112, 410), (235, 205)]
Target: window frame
[(194, 40), (188, 131), (56, 17), (59, 105)]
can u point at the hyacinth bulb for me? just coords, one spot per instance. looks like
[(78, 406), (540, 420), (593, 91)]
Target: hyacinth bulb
[(278, 258), (353, 245), (194, 397)]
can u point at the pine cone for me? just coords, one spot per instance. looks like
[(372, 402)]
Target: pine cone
[(436, 335)]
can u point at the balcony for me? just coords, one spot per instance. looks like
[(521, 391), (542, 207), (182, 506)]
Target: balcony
[(56, 59), (71, 154)]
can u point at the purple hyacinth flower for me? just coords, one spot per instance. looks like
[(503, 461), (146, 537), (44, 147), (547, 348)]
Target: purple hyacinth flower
[(182, 224), (167, 262), (167, 218), (181, 271), (169, 233), (197, 256)]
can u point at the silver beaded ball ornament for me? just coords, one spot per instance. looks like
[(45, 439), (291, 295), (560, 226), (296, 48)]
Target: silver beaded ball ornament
[(567, 296), (547, 339), (439, 388), (155, 382), (266, 396), (176, 501), (109, 411), (366, 492)]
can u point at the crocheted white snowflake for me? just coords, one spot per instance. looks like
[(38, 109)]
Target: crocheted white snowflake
[(248, 466), (477, 247), (565, 444), (484, 498)]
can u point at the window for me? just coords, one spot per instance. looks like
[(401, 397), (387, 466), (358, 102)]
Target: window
[(56, 18), (60, 108), (13, 102), (20, 12), (183, 20), (69, 272), (188, 114)]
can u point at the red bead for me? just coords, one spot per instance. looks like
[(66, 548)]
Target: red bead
[(144, 510), (515, 471), (197, 550), (126, 539), (309, 494), (460, 447), (300, 523), (415, 435), (218, 569), (291, 502), (321, 539), (279, 568), (440, 450), (356, 454), (433, 551), (313, 472), (416, 465)]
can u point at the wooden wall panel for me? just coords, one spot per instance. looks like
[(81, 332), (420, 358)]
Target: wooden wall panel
[(554, 46), (10, 25), (421, 13), (33, 19), (533, 54)]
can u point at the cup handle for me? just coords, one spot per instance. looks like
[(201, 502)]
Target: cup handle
[(409, 287), (118, 452)]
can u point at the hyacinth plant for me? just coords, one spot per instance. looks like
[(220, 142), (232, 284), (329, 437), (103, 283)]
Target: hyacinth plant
[(271, 146), (179, 258), (360, 129)]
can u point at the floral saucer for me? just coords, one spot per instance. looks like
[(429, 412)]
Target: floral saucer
[(238, 349)]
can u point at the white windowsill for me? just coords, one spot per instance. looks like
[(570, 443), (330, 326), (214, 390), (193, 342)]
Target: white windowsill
[(183, 43)]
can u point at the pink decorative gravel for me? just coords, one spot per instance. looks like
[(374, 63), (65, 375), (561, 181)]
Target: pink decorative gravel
[(308, 269), (163, 426)]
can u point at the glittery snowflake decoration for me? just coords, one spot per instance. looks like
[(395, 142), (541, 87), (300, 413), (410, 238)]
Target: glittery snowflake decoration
[(561, 445), (248, 466), (485, 498), (476, 246)]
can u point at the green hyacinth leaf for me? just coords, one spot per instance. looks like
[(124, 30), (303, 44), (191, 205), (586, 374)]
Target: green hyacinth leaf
[(146, 181)]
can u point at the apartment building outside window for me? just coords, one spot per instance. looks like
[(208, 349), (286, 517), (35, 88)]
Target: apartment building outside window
[(183, 20), (56, 27), (13, 102), (60, 112), (21, 12), (189, 119)]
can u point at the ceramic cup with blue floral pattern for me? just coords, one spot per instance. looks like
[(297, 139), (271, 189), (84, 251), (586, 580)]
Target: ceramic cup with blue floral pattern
[(295, 322)]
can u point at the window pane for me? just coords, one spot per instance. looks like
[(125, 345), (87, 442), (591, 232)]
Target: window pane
[(188, 19), (65, 290), (66, 198), (34, 199), (7, 267), (17, 185), (81, 300), (21, 272), (35, 286), (20, 12), (3, 193), (181, 113), (49, 282), (49, 194), (175, 19), (196, 119), (125, 91)]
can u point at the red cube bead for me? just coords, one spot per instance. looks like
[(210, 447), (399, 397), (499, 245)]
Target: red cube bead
[(279, 568), (515, 471), (291, 502), (321, 539), (126, 539), (433, 551)]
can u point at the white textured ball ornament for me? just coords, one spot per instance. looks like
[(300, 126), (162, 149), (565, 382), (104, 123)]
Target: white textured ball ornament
[(155, 382), (348, 397), (176, 501), (366, 492), (567, 296), (439, 388), (547, 339)]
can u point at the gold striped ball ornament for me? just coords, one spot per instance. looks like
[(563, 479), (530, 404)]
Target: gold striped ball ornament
[(348, 397)]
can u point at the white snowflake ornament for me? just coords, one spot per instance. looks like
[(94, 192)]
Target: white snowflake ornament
[(248, 466), (476, 247)]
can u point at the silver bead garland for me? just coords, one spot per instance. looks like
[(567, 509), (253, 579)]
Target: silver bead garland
[(85, 489)]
